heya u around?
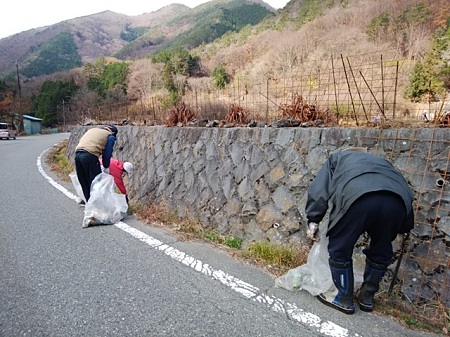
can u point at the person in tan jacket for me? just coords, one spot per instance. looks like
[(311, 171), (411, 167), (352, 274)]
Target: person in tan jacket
[(96, 142)]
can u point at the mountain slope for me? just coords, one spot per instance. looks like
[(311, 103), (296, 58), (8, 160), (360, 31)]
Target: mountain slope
[(201, 25), (94, 35), (101, 34), (112, 34), (307, 30)]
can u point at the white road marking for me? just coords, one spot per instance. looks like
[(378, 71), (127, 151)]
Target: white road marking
[(243, 288)]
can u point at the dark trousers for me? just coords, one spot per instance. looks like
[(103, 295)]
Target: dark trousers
[(380, 214), (87, 167)]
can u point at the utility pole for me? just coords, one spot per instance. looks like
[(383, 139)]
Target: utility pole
[(64, 117), (64, 110), (18, 79), (21, 127)]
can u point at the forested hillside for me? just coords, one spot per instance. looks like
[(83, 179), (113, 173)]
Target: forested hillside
[(106, 34), (59, 54)]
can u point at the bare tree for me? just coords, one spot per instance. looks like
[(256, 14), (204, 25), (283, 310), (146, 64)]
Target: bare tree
[(83, 105), (287, 59), (144, 81)]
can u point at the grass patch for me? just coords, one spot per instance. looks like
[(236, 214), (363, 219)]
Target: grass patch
[(58, 161), (233, 242), (212, 236), (184, 227), (278, 259), (227, 240)]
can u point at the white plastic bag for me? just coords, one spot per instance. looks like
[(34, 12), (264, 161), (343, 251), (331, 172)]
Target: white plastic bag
[(76, 184), (315, 275), (105, 206)]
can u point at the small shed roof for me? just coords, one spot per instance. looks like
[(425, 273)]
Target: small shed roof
[(32, 118)]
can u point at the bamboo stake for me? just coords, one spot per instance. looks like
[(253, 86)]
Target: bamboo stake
[(334, 83), (357, 89), (349, 91), (382, 84), (395, 91), (267, 101), (379, 107)]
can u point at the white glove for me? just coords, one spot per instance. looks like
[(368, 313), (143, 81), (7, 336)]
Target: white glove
[(311, 232)]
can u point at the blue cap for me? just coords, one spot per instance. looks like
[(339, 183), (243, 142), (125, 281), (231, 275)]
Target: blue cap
[(112, 128)]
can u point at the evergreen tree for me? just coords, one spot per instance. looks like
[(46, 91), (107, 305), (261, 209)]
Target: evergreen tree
[(47, 103), (60, 54), (431, 77), (103, 78), (220, 77)]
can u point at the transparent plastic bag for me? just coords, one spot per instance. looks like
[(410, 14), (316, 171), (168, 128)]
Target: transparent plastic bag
[(105, 206), (76, 184), (315, 275)]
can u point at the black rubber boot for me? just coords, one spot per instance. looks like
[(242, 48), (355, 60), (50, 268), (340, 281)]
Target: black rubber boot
[(342, 299), (373, 274)]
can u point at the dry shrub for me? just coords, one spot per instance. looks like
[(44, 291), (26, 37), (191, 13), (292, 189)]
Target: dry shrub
[(58, 161), (180, 113), (430, 318), (153, 213), (237, 115), (158, 214), (301, 111), (442, 118)]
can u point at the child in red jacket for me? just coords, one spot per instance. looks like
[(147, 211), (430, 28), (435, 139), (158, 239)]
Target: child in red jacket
[(118, 169)]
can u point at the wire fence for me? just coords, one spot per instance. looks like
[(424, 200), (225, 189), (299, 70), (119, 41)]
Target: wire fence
[(347, 90), (356, 90)]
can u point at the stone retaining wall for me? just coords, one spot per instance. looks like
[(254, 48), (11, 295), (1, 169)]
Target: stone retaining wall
[(252, 182)]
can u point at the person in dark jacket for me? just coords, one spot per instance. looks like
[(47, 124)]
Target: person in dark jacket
[(366, 194), (95, 142)]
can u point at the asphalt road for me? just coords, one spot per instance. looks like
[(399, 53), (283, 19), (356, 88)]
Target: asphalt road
[(131, 279)]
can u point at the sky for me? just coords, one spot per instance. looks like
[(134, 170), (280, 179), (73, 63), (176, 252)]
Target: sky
[(28, 14)]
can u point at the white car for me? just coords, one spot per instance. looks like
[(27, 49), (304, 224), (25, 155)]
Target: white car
[(7, 131)]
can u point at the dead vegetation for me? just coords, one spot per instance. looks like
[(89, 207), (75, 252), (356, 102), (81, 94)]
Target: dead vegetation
[(424, 318), (303, 112), (237, 115), (274, 259), (179, 114), (159, 215), (58, 162)]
